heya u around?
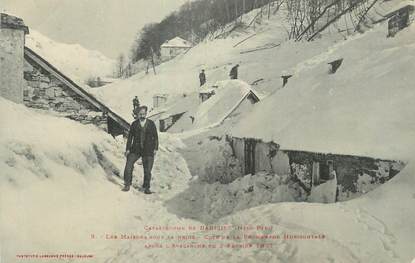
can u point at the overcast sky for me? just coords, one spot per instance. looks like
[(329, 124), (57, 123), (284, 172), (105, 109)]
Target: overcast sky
[(105, 25)]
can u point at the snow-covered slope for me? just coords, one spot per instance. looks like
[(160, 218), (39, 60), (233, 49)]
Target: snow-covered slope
[(262, 53), (365, 108), (55, 189), (73, 60), (180, 75)]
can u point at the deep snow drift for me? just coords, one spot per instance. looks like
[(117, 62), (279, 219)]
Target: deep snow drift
[(54, 190), (56, 184)]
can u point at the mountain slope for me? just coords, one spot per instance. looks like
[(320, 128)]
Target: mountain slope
[(109, 26), (73, 60)]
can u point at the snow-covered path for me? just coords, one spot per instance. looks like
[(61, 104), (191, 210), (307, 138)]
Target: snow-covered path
[(43, 211), (383, 219)]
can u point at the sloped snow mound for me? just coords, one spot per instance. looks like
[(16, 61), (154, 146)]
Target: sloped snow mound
[(48, 167), (73, 60), (365, 108), (55, 187), (227, 96), (210, 202), (377, 227)]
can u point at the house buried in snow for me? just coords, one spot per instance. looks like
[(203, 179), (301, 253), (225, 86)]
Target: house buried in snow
[(174, 47), (230, 100), (400, 18), (30, 79), (355, 175)]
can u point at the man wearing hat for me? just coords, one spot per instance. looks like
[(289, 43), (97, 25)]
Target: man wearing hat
[(142, 142)]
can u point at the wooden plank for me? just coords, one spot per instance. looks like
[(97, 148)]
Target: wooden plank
[(260, 48), (316, 173)]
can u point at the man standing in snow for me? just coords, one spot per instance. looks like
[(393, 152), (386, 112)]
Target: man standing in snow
[(136, 103), (234, 72), (142, 142), (202, 77)]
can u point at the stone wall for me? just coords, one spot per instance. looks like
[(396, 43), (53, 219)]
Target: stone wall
[(12, 39), (171, 52), (44, 91), (27, 78), (355, 175)]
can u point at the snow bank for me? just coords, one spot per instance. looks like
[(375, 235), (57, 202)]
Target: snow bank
[(209, 202), (54, 186), (324, 193), (211, 159), (376, 227), (48, 168)]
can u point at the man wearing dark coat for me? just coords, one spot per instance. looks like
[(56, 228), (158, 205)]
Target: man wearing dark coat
[(136, 103), (234, 72), (142, 142), (202, 77)]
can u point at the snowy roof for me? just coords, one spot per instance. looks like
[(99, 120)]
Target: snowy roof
[(207, 91), (159, 95), (400, 6), (177, 42), (228, 97), (336, 113)]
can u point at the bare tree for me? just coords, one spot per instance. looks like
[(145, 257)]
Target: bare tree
[(120, 65)]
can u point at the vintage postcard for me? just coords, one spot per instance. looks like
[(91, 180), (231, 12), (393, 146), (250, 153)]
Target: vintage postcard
[(232, 131)]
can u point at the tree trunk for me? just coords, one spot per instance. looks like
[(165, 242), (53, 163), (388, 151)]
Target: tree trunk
[(236, 10), (351, 6), (228, 16), (152, 61)]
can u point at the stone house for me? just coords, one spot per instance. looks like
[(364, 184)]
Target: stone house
[(400, 18), (311, 169), (28, 78), (12, 41), (174, 47)]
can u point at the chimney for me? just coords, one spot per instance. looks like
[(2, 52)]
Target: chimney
[(12, 41), (335, 65), (285, 79)]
